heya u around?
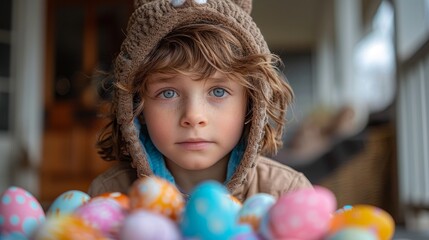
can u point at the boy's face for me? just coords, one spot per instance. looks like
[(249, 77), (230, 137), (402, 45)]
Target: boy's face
[(194, 123)]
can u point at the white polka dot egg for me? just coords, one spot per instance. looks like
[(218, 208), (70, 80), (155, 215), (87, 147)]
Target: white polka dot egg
[(104, 214), (20, 214), (302, 214)]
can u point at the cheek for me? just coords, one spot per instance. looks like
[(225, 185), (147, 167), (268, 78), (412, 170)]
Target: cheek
[(231, 129), (233, 119), (231, 122), (158, 124)]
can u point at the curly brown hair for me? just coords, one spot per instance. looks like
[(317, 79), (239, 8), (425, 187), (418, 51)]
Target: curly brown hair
[(204, 49)]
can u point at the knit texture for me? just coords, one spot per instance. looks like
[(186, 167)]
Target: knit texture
[(153, 20)]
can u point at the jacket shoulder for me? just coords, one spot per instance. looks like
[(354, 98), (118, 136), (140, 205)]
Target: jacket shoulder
[(117, 178), (276, 178)]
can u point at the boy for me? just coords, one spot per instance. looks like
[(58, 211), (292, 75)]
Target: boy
[(197, 97)]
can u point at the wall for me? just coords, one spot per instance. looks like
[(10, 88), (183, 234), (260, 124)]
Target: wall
[(24, 140)]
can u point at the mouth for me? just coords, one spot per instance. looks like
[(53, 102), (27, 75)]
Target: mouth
[(195, 144)]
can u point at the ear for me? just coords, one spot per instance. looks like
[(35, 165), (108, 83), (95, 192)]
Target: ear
[(246, 5)]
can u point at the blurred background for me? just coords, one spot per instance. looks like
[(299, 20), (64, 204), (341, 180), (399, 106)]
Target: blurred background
[(359, 69)]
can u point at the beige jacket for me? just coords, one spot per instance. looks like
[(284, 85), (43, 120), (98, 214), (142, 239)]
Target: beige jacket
[(267, 176)]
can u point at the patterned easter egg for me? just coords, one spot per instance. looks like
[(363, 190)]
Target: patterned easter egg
[(67, 202), (364, 216), (157, 195), (245, 232), (145, 225), (302, 214), (353, 233), (209, 213), (235, 202), (103, 214), (20, 213), (254, 208), (67, 227), (122, 199)]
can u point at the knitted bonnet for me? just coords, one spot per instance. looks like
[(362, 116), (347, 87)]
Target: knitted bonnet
[(150, 22)]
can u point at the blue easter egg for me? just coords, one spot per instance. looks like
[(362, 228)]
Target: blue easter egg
[(254, 208), (68, 202), (244, 232), (209, 213)]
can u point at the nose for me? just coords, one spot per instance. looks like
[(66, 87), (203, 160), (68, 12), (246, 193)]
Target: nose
[(194, 114)]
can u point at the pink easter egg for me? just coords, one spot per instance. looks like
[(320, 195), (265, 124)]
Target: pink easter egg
[(104, 214), (303, 214), (20, 213)]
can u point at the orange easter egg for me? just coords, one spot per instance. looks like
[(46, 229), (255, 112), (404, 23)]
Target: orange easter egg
[(157, 195), (67, 227), (367, 217), (120, 198)]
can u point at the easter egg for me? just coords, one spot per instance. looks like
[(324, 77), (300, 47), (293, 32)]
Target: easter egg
[(254, 208), (209, 213), (145, 225), (122, 199), (244, 232), (13, 236), (104, 214), (353, 233), (20, 213), (367, 217), (157, 195), (67, 227), (235, 202), (302, 214), (67, 202)]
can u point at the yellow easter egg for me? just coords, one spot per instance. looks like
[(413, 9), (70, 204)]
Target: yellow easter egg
[(67, 227), (368, 217)]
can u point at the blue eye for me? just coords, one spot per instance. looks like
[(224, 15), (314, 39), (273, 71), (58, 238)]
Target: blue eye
[(168, 94), (218, 92)]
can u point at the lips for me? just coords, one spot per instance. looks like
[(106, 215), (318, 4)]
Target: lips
[(195, 144)]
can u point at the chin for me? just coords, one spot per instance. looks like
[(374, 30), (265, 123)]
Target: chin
[(195, 168)]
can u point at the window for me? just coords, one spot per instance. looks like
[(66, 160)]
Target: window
[(374, 59)]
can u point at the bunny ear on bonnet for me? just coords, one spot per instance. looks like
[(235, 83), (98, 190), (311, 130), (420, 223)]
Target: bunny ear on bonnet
[(246, 5)]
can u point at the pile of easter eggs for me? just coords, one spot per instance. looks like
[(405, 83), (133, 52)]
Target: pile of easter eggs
[(155, 209)]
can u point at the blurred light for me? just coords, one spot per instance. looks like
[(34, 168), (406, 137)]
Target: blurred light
[(375, 62)]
